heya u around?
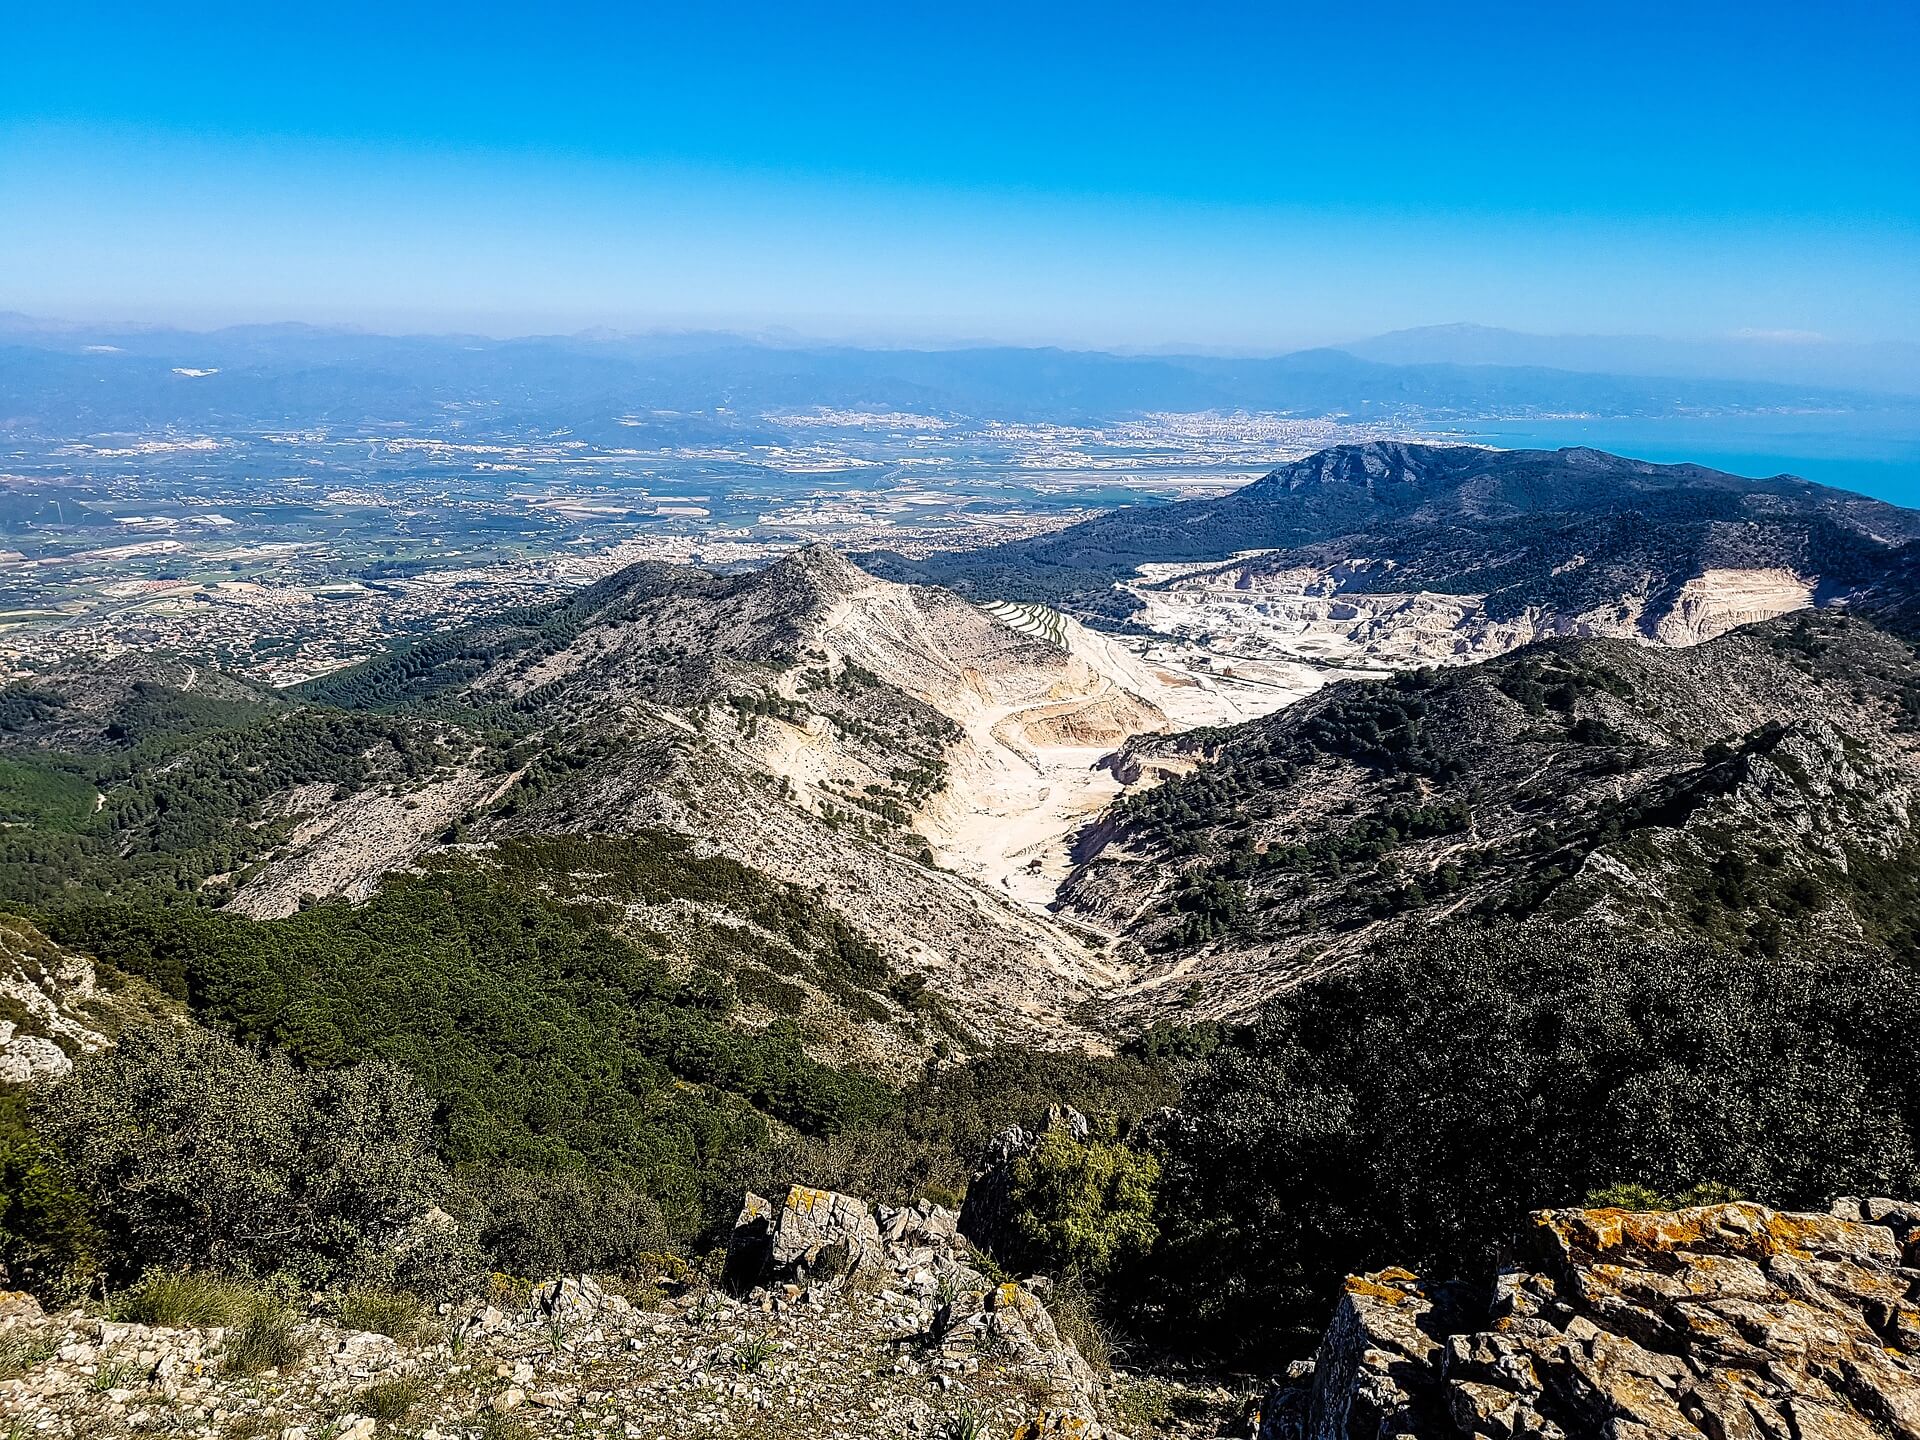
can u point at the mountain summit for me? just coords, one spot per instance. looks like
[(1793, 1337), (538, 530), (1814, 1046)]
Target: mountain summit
[(1560, 541)]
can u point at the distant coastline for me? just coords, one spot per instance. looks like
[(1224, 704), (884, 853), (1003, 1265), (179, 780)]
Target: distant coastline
[(1876, 453)]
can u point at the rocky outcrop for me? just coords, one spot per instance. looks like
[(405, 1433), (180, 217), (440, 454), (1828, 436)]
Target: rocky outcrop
[(52, 1007), (817, 1242), (1733, 1322), (813, 1234), (909, 1341)]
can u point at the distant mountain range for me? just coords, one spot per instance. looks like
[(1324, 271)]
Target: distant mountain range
[(57, 379), (1787, 357)]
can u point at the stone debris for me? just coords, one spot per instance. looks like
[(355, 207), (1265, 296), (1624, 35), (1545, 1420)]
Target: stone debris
[(909, 1341), (1733, 1322)]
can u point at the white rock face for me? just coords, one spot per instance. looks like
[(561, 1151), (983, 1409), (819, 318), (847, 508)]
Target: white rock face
[(344, 846), (1350, 615), (1716, 601), (46, 991)]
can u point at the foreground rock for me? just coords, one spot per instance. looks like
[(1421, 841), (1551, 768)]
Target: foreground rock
[(911, 1342), (1735, 1322)]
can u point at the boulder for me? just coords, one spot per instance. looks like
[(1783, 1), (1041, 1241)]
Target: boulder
[(1011, 1324), (814, 1236), (987, 1216), (573, 1300), (750, 1243), (1734, 1322), (1376, 1374)]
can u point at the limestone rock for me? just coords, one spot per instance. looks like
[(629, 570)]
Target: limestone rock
[(814, 1235), (49, 996), (574, 1300), (1733, 1321)]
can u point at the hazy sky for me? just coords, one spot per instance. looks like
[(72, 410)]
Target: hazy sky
[(1236, 175)]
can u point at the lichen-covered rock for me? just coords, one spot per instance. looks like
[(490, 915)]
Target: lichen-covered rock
[(1734, 1321), (813, 1236)]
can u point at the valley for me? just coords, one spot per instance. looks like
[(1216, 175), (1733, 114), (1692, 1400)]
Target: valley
[(969, 779)]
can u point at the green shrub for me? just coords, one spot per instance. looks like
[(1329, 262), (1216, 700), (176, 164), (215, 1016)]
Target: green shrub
[(433, 1261), (197, 1153), (929, 1144), (267, 1338), (1627, 1195), (49, 1243), (1631, 1195), (1082, 1206), (183, 1299), (388, 1401), (560, 1223)]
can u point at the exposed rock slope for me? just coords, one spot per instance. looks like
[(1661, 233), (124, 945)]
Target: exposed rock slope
[(919, 760), (1753, 788), (52, 1007), (1720, 1321)]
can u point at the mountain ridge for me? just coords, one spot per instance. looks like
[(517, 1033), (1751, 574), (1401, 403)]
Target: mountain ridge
[(1753, 790), (1462, 511)]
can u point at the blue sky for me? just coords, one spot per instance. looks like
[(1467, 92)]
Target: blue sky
[(1245, 176)]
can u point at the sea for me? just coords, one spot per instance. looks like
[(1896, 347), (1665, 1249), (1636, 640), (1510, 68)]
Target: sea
[(1874, 452)]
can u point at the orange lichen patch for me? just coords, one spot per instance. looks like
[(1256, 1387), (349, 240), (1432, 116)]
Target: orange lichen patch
[(1013, 1296), (18, 1305), (1373, 1287), (1828, 1234), (1739, 1228), (806, 1199)]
